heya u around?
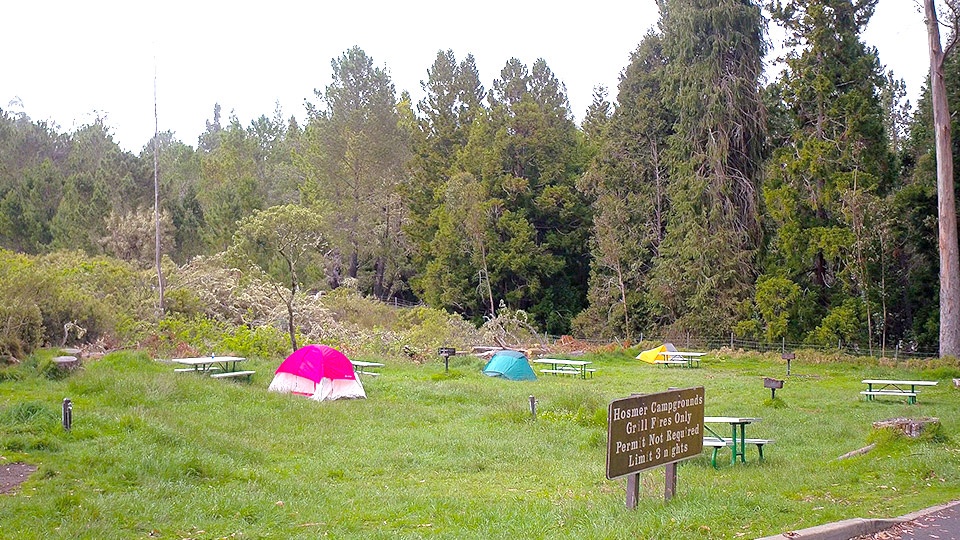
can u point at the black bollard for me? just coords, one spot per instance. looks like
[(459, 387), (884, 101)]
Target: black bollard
[(67, 413)]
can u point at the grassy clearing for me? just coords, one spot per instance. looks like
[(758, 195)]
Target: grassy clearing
[(158, 454)]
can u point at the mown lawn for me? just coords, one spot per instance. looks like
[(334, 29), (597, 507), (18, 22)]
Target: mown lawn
[(158, 454)]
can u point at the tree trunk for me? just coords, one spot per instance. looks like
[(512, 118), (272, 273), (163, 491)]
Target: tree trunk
[(290, 325), (294, 287), (156, 193), (623, 298), (483, 258), (946, 205)]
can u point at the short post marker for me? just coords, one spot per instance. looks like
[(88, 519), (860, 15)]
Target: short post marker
[(67, 413)]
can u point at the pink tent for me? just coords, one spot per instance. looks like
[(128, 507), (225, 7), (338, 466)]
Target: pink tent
[(318, 371)]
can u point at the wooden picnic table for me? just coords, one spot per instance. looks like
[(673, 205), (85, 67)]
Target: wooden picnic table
[(680, 358), (562, 366), (225, 365), (887, 387)]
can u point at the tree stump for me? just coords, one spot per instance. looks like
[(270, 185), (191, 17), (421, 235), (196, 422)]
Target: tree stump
[(911, 427), (72, 352), (66, 363)]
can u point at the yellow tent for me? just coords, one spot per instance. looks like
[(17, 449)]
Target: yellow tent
[(652, 355)]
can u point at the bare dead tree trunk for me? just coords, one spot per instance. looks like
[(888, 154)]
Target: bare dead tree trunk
[(156, 188), (946, 205), (294, 287)]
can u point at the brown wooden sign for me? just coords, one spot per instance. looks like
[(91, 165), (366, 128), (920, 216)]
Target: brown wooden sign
[(647, 430)]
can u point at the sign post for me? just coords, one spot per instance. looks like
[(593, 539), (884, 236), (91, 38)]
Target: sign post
[(648, 430)]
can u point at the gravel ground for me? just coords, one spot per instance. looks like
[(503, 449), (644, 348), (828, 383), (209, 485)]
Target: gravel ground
[(14, 474)]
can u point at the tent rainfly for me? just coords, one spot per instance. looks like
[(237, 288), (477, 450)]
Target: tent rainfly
[(511, 365), (652, 355), (318, 371)]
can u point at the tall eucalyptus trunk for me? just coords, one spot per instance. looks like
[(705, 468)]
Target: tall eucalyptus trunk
[(946, 205)]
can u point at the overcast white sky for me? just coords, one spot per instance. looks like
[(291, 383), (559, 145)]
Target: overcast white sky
[(70, 61)]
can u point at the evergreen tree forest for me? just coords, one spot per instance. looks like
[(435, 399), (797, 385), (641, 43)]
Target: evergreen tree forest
[(697, 197)]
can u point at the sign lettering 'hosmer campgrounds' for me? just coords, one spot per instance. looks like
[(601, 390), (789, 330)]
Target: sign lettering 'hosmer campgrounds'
[(652, 429)]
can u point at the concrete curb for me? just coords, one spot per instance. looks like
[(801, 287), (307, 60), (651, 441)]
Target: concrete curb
[(851, 528)]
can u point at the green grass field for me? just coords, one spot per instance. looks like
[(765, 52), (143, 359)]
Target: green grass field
[(158, 454)]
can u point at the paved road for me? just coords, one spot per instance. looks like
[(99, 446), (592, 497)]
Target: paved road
[(941, 525)]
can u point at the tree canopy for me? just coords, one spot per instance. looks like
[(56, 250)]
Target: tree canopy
[(696, 197)]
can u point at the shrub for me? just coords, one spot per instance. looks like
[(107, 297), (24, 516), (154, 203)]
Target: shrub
[(424, 330), (21, 328), (90, 294), (199, 335)]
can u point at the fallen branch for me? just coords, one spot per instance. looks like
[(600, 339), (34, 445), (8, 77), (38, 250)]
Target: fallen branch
[(858, 452)]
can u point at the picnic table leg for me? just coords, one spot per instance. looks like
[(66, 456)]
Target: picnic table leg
[(743, 443), (739, 448), (733, 450)]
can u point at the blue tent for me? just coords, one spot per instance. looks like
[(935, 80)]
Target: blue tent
[(510, 365)]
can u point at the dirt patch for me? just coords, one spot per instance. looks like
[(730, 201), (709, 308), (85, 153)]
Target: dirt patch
[(14, 474)]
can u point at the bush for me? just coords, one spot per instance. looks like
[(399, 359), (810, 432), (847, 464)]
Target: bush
[(200, 335), (21, 329), (425, 330), (79, 297)]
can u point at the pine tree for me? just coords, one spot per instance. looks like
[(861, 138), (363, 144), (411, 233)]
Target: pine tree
[(627, 183), (707, 262), (837, 158), (353, 159)]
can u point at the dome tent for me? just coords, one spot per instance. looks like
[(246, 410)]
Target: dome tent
[(318, 371), (651, 356), (511, 365)]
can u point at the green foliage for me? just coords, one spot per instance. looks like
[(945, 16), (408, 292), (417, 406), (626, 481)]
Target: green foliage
[(842, 324), (709, 250), (626, 183), (833, 234), (354, 162), (200, 335), (646, 218), (426, 329), (776, 300), (21, 330), (92, 294), (131, 236), (281, 242), (507, 225), (73, 297)]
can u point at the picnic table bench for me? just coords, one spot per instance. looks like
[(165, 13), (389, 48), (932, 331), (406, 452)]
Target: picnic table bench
[(885, 387), (669, 363), (723, 442), (243, 373), (568, 371)]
